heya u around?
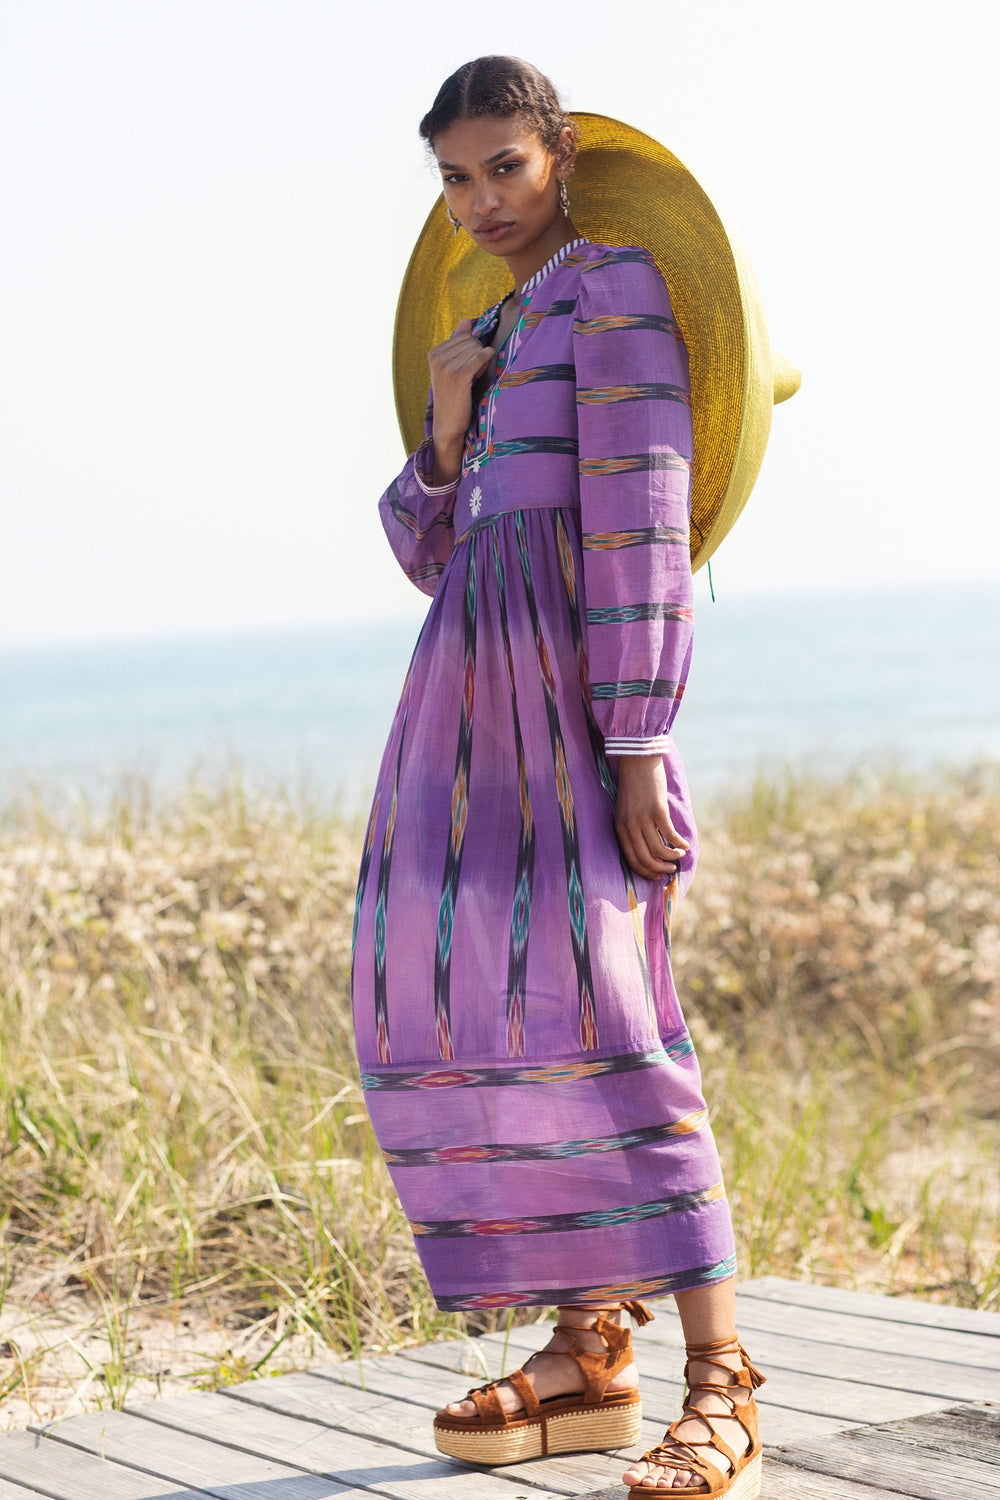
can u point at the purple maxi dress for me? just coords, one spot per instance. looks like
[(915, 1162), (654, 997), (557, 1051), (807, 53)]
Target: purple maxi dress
[(525, 1061)]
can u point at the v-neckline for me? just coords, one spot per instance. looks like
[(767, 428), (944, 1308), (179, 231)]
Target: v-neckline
[(491, 368), (479, 445), (484, 382)]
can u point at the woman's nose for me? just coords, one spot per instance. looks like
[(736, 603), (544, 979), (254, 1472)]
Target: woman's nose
[(486, 197)]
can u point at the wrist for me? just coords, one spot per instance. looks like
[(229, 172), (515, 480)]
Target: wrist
[(639, 767), (448, 457)]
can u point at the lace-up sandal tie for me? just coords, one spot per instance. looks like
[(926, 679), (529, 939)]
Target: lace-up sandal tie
[(590, 1421), (742, 1482)]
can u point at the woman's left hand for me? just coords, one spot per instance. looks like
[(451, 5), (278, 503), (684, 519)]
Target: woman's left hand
[(649, 840)]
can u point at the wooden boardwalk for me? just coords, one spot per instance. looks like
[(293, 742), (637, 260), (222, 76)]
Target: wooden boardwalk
[(907, 1404)]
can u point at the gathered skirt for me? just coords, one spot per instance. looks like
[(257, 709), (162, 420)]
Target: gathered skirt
[(525, 1061)]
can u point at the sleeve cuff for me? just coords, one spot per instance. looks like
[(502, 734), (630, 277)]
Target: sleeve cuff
[(657, 744), (425, 451)]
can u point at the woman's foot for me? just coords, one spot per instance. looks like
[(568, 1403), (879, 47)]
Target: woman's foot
[(658, 1473), (552, 1371)]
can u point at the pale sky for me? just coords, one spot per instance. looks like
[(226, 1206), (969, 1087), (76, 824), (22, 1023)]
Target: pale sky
[(208, 205)]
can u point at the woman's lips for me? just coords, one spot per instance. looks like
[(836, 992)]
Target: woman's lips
[(492, 232)]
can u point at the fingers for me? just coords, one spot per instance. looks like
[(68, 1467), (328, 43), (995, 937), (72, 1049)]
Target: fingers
[(461, 354), (649, 840), (668, 833), (648, 852)]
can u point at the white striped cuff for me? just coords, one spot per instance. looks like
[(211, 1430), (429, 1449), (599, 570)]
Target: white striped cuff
[(426, 450), (656, 744)]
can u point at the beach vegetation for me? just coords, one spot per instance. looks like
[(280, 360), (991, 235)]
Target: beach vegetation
[(191, 1192)]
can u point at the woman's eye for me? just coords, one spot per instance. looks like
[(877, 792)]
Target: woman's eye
[(453, 178), (508, 166)]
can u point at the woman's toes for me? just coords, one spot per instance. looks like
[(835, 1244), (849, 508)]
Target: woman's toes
[(658, 1477)]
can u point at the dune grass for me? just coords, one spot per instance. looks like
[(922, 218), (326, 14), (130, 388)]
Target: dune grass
[(184, 1140)]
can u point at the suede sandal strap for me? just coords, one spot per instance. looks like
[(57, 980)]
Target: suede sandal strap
[(488, 1405), (638, 1312), (704, 1354), (685, 1456), (598, 1366), (526, 1391), (615, 1336)]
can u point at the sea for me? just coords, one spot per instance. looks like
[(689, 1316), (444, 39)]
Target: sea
[(821, 684)]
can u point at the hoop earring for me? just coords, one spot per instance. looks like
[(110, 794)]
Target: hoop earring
[(455, 223), (564, 198)]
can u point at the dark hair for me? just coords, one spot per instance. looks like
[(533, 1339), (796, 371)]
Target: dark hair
[(501, 86)]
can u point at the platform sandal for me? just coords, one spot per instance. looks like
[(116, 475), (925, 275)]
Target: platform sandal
[(742, 1482), (588, 1421)]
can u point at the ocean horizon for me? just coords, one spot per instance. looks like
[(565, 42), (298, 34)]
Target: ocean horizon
[(822, 683)]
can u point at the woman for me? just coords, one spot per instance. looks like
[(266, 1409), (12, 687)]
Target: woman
[(526, 1064)]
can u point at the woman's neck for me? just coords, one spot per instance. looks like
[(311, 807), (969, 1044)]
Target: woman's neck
[(523, 266)]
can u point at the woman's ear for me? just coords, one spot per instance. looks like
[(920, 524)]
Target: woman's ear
[(566, 151)]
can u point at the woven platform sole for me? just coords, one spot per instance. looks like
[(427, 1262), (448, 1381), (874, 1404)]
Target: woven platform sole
[(746, 1486), (586, 1429)]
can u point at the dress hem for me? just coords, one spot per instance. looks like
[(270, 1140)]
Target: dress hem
[(651, 1287)]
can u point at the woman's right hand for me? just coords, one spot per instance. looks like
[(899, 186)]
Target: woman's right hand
[(455, 365)]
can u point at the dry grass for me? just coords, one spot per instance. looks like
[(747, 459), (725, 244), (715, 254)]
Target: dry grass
[(191, 1192)]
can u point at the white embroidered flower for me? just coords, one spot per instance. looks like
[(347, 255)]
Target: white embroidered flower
[(475, 466), (476, 501)]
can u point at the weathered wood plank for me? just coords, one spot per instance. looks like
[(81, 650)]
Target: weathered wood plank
[(847, 1330), (871, 1305), (943, 1456), (473, 1360), (914, 1471), (302, 1394), (9, 1491), (389, 1375), (970, 1430), (353, 1460), (186, 1461), (783, 1483), (907, 1371), (63, 1473)]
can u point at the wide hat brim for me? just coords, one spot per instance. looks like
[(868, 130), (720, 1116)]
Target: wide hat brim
[(627, 189)]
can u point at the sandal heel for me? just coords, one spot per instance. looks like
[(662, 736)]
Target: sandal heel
[(587, 1431), (595, 1431)]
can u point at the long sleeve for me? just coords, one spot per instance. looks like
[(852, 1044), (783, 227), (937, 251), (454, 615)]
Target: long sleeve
[(417, 516), (635, 437)]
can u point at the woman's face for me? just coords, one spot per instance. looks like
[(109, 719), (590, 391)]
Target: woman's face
[(501, 182)]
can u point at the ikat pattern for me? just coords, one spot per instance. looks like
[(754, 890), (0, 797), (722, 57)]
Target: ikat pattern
[(568, 569), (564, 791), (628, 1140), (618, 1291), (644, 536), (565, 1223), (555, 1073), (520, 919), (459, 817)]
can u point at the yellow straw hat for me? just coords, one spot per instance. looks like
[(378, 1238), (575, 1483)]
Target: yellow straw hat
[(627, 189)]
